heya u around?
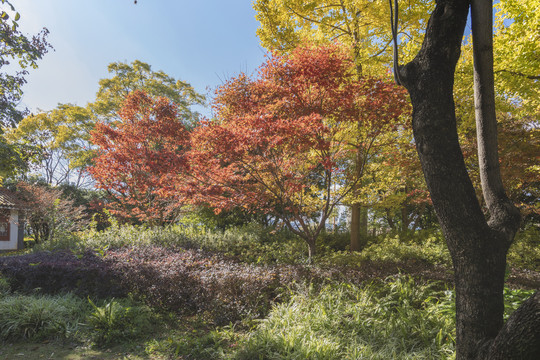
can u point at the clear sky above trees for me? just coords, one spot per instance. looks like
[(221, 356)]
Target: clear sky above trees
[(196, 41)]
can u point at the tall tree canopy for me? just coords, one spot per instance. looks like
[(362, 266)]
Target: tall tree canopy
[(360, 24), (60, 138), (140, 76)]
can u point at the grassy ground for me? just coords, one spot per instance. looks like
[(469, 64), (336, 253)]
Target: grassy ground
[(59, 350)]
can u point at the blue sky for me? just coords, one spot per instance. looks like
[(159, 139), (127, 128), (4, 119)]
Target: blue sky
[(203, 42)]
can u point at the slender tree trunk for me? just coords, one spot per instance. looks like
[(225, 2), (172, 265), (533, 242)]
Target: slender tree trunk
[(389, 219), (498, 203), (405, 220), (311, 249), (358, 227), (478, 248), (364, 225), (358, 212)]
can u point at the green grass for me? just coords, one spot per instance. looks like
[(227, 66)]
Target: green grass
[(398, 319), (72, 351), (39, 317), (68, 317)]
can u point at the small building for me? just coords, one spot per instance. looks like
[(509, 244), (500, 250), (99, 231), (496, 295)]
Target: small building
[(11, 221)]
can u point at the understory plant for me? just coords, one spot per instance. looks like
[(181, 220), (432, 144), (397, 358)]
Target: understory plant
[(397, 319), (39, 317), (116, 321)]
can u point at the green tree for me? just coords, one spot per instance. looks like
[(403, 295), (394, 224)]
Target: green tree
[(516, 47), (60, 137), (516, 68), (140, 76), (360, 24), (15, 47)]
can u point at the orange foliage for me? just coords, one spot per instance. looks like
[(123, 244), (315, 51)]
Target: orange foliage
[(140, 158), (281, 141)]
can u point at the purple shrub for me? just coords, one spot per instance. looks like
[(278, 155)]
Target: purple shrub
[(191, 281), (62, 271)]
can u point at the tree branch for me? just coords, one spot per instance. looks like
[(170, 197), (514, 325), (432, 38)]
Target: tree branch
[(531, 77), (316, 21), (504, 216)]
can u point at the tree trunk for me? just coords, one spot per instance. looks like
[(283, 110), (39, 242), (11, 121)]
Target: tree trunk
[(358, 227), (520, 336), (389, 219), (501, 209), (405, 219), (311, 249), (478, 249)]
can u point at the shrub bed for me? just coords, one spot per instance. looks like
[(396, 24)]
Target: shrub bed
[(192, 281), (184, 281)]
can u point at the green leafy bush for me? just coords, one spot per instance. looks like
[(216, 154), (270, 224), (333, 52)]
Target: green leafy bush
[(252, 243), (424, 246), (117, 321), (430, 249), (256, 244)]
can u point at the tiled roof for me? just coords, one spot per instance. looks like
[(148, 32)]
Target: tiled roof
[(8, 200)]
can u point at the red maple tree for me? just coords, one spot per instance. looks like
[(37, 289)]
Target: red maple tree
[(283, 141), (139, 159)]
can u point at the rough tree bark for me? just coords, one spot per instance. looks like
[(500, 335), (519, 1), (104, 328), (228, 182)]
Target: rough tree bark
[(478, 247)]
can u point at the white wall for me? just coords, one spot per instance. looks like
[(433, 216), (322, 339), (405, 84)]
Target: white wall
[(13, 232)]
